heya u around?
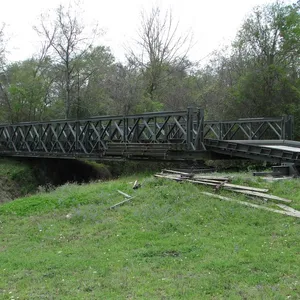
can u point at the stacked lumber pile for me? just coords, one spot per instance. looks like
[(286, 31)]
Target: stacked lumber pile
[(218, 182)]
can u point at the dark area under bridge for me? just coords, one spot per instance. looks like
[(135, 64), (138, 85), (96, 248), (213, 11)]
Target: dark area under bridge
[(172, 136)]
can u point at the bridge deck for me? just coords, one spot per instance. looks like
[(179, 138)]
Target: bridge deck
[(275, 151)]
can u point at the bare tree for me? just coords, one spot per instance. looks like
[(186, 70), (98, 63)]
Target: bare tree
[(160, 45), (125, 88), (66, 42), (4, 99), (2, 45)]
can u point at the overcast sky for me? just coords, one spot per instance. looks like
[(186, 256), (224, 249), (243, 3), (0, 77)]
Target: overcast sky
[(213, 23)]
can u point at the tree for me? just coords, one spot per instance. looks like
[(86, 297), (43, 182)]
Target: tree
[(3, 92), (267, 46), (93, 72), (259, 76), (2, 46), (26, 91), (160, 46), (125, 88), (67, 43)]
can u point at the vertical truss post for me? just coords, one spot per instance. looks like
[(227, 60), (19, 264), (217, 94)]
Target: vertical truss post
[(77, 132), (287, 128), (199, 140), (125, 129), (135, 135), (291, 130), (10, 134), (189, 128), (283, 128), (155, 128)]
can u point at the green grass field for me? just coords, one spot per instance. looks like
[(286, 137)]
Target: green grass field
[(169, 242)]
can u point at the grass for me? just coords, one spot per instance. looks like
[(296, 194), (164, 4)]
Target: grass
[(169, 242)]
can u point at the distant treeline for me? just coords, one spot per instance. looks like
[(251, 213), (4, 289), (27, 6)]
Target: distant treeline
[(72, 77)]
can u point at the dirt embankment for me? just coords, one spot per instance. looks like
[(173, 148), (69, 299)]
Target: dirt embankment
[(21, 177), (9, 190), (17, 179)]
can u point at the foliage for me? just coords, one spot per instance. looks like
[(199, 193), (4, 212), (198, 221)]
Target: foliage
[(267, 43), (72, 76), (28, 86), (258, 75)]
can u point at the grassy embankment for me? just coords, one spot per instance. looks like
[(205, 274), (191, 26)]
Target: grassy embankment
[(169, 242)]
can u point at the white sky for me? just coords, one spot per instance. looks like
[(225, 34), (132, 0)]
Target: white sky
[(213, 23)]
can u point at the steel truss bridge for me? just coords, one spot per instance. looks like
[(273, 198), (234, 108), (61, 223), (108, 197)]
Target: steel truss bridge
[(180, 135)]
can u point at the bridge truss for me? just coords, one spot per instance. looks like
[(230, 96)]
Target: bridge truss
[(149, 134), (160, 135), (280, 128)]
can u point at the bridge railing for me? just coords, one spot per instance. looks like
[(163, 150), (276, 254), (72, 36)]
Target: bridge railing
[(280, 128), (92, 136)]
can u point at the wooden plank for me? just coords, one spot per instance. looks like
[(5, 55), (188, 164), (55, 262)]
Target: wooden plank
[(124, 194), (229, 185), (252, 205), (211, 183), (184, 179), (287, 208), (247, 188), (211, 178), (261, 195), (201, 182), (121, 203), (277, 178), (197, 176), (177, 172), (173, 177)]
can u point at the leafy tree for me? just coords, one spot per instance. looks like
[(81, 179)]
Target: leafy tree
[(93, 71), (26, 89), (266, 46), (3, 92), (259, 75)]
